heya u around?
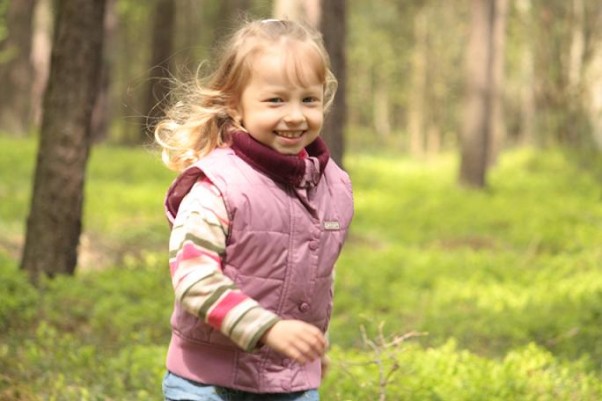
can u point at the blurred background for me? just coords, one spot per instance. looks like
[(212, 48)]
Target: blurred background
[(471, 129), (406, 66)]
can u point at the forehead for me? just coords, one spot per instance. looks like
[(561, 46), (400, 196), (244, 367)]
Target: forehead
[(290, 63)]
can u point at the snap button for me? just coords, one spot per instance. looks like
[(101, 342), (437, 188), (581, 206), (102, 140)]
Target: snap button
[(313, 245), (304, 307)]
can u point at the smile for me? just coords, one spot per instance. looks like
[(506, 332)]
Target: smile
[(289, 134)]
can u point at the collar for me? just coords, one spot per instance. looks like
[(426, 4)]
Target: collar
[(295, 170)]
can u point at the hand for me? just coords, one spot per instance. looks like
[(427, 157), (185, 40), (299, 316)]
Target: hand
[(296, 339)]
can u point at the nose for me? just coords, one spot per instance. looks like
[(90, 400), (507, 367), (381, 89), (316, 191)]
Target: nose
[(294, 114)]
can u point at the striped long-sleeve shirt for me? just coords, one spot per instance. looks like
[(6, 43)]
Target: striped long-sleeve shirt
[(197, 246)]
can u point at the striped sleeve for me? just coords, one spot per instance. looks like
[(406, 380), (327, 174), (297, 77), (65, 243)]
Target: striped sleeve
[(197, 246)]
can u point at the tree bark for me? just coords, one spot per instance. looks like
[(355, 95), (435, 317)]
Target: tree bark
[(16, 70), (161, 53), (381, 106), (417, 112), (333, 24), (229, 14), (102, 113), (188, 35), (307, 11), (55, 220), (498, 46), (481, 93), (40, 56), (287, 9)]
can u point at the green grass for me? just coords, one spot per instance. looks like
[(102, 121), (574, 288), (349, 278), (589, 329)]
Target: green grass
[(518, 262), (123, 201), (505, 284)]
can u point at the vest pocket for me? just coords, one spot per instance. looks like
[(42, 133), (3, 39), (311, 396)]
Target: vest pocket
[(331, 245)]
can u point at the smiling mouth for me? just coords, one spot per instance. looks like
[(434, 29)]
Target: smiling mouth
[(289, 134)]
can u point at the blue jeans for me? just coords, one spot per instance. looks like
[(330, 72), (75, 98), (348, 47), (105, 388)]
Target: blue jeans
[(176, 388)]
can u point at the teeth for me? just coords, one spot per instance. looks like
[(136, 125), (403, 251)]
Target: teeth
[(289, 134)]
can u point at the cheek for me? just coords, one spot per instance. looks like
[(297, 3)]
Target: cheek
[(259, 121), (262, 117), (317, 119)]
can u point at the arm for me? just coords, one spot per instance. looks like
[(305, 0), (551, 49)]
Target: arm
[(197, 244)]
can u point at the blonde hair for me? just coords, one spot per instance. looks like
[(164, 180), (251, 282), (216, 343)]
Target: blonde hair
[(202, 119)]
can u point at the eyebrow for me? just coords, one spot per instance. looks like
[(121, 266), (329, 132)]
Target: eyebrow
[(275, 90)]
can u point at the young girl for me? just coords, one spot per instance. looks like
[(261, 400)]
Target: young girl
[(259, 215)]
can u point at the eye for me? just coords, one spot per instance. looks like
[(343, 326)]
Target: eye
[(311, 99), (274, 100)]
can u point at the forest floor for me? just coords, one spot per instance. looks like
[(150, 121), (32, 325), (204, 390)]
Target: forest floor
[(442, 293)]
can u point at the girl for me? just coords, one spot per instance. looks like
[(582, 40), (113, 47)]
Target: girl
[(259, 215)]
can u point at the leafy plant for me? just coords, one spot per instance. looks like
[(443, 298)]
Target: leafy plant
[(506, 283)]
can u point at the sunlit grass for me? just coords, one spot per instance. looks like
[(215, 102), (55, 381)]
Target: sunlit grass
[(517, 262)]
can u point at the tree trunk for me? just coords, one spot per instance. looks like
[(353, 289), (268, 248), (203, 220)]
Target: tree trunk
[(481, 93), (417, 112), (229, 14), (333, 26), (595, 108), (577, 47), (161, 53), (101, 113), (16, 70), (287, 9), (498, 46), (40, 56), (307, 11), (188, 35), (54, 223), (433, 140), (526, 79), (381, 106), (577, 123)]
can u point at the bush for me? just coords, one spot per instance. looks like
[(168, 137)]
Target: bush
[(19, 297), (506, 282), (97, 336), (411, 372)]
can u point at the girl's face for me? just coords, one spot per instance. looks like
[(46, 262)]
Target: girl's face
[(278, 111)]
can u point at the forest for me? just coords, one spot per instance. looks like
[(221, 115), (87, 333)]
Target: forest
[(472, 133)]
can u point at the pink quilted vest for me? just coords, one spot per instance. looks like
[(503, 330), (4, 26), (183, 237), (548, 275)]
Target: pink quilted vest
[(281, 250)]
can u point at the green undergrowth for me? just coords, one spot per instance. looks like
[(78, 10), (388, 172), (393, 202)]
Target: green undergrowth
[(516, 262), (99, 336), (499, 291), (447, 372)]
